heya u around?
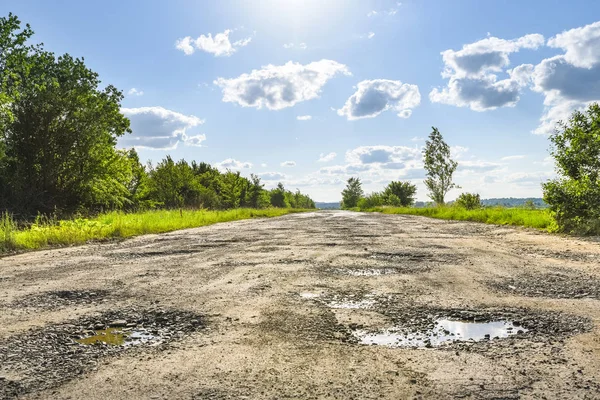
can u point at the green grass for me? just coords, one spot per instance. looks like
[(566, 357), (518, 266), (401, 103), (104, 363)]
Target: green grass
[(539, 219), (117, 225)]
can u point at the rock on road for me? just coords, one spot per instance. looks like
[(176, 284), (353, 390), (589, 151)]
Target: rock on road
[(282, 303)]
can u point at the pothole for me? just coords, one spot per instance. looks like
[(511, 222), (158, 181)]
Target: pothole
[(61, 298), (47, 357), (444, 331), (558, 284)]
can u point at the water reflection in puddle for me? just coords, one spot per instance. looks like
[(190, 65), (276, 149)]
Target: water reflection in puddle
[(445, 331), (118, 337)]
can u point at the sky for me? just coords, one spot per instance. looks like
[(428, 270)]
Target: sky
[(312, 92)]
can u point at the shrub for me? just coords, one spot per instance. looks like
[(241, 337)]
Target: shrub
[(573, 198), (469, 201)]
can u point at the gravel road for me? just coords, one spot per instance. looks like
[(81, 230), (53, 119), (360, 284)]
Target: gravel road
[(320, 305)]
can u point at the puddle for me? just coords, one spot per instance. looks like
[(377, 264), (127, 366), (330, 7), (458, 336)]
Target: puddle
[(444, 331), (119, 337)]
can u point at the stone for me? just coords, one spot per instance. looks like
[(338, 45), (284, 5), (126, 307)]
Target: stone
[(118, 323)]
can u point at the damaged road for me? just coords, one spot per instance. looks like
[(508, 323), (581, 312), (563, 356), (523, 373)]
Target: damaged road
[(328, 304)]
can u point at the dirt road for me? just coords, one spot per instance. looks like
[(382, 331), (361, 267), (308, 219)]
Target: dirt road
[(333, 305)]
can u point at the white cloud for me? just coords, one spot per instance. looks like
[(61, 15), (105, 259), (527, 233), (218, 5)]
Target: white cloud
[(326, 157), (370, 35), (304, 117), (135, 92), (373, 97), (570, 81), (264, 165), (278, 87), (581, 45), (385, 156), (372, 13), (272, 176), (219, 45), (159, 128), (472, 73), (233, 164), (515, 157), (417, 139), (288, 164), (301, 46)]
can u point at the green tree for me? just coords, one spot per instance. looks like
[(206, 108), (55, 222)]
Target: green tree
[(573, 198), (232, 185), (59, 131), (277, 197), (254, 196), (469, 201), (439, 166), (352, 193), (404, 193)]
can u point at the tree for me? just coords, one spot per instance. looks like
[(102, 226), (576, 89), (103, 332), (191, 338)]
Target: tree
[(254, 198), (404, 193), (573, 198), (278, 196), (469, 201), (352, 193), (231, 189), (59, 131), (439, 166)]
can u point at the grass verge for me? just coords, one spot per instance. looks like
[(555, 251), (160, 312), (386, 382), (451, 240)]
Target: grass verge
[(539, 219), (117, 225)]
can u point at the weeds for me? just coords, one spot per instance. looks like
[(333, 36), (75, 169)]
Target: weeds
[(47, 232), (539, 219)]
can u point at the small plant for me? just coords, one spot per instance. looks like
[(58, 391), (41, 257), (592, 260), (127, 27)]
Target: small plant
[(7, 232), (469, 201)]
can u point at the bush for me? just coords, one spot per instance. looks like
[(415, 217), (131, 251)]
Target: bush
[(573, 198), (469, 201)]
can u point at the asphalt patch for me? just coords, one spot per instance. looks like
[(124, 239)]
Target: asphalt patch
[(559, 284), (54, 300)]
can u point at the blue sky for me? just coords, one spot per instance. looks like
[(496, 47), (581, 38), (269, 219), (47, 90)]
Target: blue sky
[(225, 82)]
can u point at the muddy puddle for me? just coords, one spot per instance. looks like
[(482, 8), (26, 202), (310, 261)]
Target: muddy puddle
[(444, 331)]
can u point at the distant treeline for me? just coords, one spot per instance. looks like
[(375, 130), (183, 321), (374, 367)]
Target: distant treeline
[(537, 202), (59, 128)]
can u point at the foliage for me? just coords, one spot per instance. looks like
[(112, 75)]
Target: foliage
[(59, 132), (47, 232), (352, 193), (400, 194), (469, 201), (574, 197), (439, 166), (539, 219)]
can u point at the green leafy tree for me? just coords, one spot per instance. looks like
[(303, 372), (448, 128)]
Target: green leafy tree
[(400, 194), (352, 193), (232, 185), (59, 131), (439, 166), (574, 197), (277, 197), (469, 201), (254, 196)]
